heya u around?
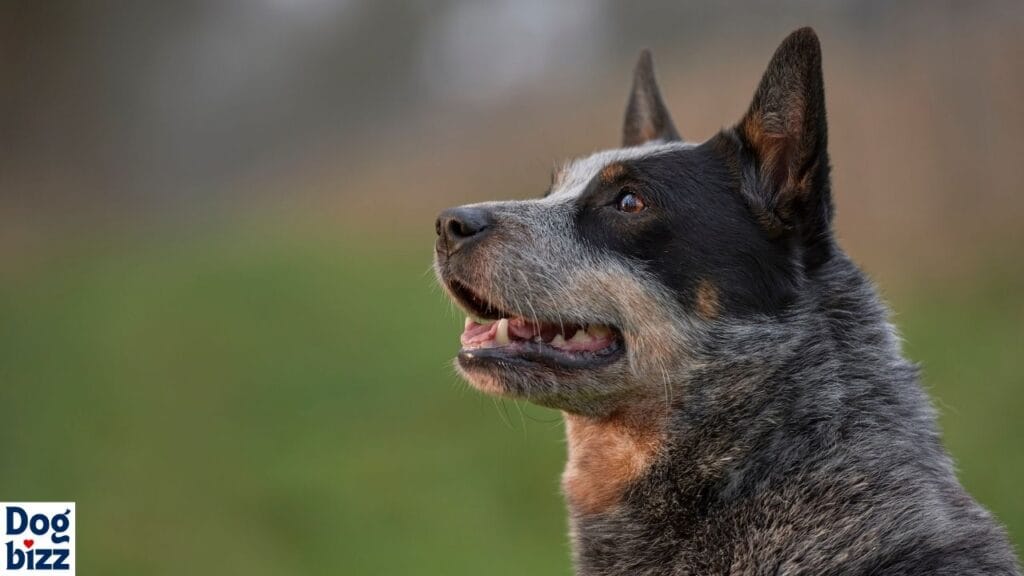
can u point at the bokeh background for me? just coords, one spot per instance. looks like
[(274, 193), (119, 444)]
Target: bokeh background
[(219, 333)]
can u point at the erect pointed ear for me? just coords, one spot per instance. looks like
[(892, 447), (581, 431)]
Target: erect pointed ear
[(647, 118), (786, 133)]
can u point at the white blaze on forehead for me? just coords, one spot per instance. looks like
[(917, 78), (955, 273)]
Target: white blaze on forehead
[(573, 178)]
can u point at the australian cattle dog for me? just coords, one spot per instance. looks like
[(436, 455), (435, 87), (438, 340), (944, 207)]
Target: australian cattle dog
[(735, 398)]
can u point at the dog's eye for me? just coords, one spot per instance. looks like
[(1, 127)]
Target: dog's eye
[(630, 202)]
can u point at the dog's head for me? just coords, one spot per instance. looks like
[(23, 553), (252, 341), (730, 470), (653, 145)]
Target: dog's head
[(622, 273)]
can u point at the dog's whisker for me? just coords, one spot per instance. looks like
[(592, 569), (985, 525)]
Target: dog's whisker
[(522, 420), (499, 405)]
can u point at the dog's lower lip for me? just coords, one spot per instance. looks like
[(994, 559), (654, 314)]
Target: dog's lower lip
[(527, 354)]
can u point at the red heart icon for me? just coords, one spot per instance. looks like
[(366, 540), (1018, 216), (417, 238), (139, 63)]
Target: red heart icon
[(29, 543)]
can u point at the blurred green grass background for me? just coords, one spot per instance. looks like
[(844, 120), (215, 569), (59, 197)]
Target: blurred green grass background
[(270, 401), (218, 329)]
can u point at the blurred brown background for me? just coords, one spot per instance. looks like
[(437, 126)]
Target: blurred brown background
[(216, 223)]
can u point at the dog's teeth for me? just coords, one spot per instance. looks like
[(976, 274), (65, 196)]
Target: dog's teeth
[(598, 332), (558, 341), (469, 322), (502, 336), (580, 337)]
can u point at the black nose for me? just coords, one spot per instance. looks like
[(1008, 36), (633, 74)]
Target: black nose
[(459, 227)]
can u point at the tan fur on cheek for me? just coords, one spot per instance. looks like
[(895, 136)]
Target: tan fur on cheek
[(707, 302), (656, 331), (607, 455)]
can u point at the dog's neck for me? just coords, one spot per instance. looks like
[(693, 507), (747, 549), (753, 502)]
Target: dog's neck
[(656, 469), (608, 454), (640, 472)]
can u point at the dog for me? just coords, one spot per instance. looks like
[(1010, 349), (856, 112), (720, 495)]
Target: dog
[(735, 398)]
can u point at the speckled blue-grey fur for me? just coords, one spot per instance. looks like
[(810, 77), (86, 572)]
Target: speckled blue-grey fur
[(804, 445)]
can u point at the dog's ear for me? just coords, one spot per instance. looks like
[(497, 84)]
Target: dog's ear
[(647, 118), (785, 132)]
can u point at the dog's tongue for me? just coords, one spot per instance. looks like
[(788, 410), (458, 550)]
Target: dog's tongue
[(525, 330), (515, 329), (474, 333)]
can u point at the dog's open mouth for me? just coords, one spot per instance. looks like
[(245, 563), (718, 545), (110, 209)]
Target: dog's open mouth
[(491, 334)]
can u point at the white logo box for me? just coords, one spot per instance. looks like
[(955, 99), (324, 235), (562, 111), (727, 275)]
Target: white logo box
[(37, 538)]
